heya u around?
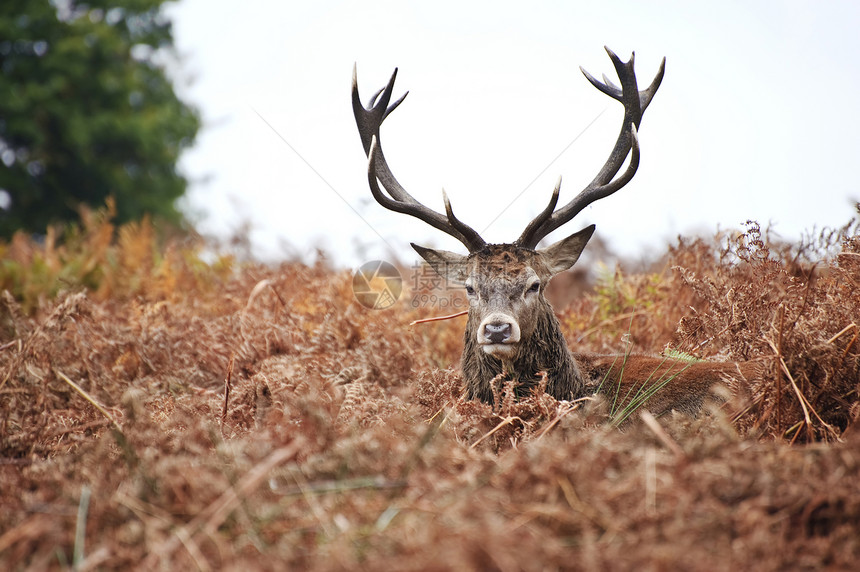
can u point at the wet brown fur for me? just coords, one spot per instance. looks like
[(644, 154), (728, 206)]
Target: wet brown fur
[(684, 386)]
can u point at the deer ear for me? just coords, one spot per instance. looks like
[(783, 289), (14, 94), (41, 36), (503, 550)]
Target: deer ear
[(564, 253), (448, 265)]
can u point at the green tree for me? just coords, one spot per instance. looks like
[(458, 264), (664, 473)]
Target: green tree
[(87, 111)]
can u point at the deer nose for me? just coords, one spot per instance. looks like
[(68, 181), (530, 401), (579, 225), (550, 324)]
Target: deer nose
[(497, 333)]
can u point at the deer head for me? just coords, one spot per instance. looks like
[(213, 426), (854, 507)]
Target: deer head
[(511, 328)]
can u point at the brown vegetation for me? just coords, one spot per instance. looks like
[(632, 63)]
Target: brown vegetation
[(160, 412)]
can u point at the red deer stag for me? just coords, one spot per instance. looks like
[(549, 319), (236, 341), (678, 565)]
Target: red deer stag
[(512, 332)]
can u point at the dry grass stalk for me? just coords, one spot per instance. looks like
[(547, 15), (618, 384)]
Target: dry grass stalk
[(652, 424), (438, 319), (90, 399), (227, 386)]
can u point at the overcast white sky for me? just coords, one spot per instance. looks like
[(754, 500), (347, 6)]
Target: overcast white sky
[(756, 118)]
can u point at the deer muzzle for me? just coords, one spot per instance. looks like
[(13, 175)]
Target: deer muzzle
[(498, 334)]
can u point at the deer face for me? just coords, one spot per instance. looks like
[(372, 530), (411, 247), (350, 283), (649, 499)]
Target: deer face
[(505, 284)]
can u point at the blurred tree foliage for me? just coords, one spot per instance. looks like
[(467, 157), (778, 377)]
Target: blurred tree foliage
[(87, 111)]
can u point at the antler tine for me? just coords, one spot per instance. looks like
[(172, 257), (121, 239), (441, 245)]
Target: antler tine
[(545, 214), (609, 83), (647, 95), (605, 183), (369, 119), (473, 240)]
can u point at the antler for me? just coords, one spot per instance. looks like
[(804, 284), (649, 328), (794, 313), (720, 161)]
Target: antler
[(369, 119), (635, 102)]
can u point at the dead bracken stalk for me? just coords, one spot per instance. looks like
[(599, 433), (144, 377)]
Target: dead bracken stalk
[(334, 487), (278, 295), (843, 331), (227, 384), (258, 288), (502, 423), (804, 403), (10, 344), (438, 319), (578, 505), (89, 398), (655, 427), (563, 410)]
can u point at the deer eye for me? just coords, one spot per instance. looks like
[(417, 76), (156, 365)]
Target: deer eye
[(533, 288), (469, 290)]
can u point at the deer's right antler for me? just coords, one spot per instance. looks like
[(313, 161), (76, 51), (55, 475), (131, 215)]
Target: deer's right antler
[(604, 184), (369, 119)]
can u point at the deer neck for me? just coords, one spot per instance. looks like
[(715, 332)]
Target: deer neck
[(545, 350)]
